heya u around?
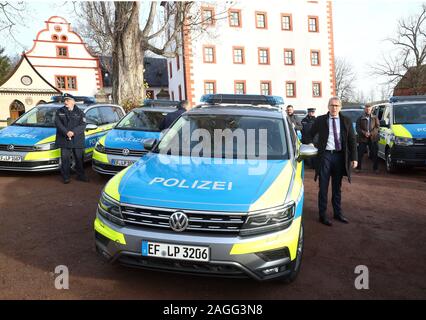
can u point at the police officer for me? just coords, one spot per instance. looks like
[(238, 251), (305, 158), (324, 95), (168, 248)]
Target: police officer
[(168, 120), (70, 126), (307, 123)]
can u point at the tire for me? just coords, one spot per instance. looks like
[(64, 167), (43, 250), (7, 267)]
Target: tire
[(390, 167), (296, 263)]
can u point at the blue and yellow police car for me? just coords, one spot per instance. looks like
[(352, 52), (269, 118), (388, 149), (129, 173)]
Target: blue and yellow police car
[(28, 144), (221, 193), (123, 145)]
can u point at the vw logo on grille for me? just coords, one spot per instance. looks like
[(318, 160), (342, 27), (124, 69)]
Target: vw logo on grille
[(178, 221), (126, 152), (10, 147)]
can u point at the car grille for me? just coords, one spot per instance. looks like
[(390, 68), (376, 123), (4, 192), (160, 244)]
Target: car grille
[(420, 141), (27, 164), (199, 221), (409, 152), (3, 147), (119, 152)]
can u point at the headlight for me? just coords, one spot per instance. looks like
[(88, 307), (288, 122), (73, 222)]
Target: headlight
[(269, 220), (45, 146), (403, 141), (100, 147), (110, 209)]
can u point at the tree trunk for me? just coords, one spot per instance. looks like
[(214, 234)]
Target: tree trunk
[(127, 63)]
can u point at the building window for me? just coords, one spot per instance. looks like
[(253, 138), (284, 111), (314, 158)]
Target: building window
[(178, 62), (316, 89), (209, 87), (286, 22), (240, 87), (209, 54), (149, 94), (66, 82), (263, 56), (208, 16), (235, 18), (180, 92), (261, 20), (170, 69), (290, 88), (289, 57), (62, 52), (265, 88), (313, 24), (238, 54), (315, 58)]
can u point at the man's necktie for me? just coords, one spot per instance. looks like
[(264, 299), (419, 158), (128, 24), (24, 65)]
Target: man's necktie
[(337, 146)]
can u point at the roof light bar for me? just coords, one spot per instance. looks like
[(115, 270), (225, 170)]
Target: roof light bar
[(242, 99), (406, 98), (84, 99)]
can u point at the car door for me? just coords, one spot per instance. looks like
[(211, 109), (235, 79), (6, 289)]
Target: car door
[(93, 116), (385, 133)]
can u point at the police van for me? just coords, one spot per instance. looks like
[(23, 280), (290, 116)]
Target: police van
[(28, 144), (221, 193), (123, 145), (402, 141)]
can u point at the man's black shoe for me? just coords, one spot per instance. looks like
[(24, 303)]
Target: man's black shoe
[(66, 181), (341, 219), (83, 178), (325, 222)]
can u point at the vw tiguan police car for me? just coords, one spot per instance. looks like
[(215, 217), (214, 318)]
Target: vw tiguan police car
[(123, 145), (28, 144), (201, 203), (402, 141)]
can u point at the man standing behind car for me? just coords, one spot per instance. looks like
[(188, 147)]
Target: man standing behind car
[(307, 123), (367, 128), (290, 113), (337, 153), (172, 116), (70, 125)]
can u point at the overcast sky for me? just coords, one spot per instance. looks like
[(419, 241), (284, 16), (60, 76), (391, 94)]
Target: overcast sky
[(360, 28)]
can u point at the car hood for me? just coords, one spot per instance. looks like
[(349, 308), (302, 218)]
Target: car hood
[(25, 136), (130, 139), (417, 131), (189, 183)]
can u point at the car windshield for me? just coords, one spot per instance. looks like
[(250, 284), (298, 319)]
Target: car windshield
[(353, 114), (142, 120), (40, 116), (226, 136), (409, 114)]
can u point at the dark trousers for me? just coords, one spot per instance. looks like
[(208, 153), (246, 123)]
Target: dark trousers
[(77, 154), (331, 165), (373, 147)]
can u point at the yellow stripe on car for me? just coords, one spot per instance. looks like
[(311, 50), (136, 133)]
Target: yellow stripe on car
[(108, 232), (287, 238), (50, 139), (298, 183), (275, 194), (111, 189), (101, 157), (41, 155), (400, 131)]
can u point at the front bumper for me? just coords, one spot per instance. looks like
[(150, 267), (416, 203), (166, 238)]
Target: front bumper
[(230, 256), (409, 155), (102, 162), (33, 161)]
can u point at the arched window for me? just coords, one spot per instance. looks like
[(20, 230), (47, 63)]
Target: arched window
[(16, 109)]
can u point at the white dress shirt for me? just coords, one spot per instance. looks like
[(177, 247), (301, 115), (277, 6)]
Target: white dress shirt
[(330, 141)]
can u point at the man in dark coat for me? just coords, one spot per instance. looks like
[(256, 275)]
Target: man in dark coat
[(307, 123), (337, 154), (172, 116), (70, 126), (290, 113), (367, 128)]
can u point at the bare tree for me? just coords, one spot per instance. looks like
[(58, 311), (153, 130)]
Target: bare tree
[(119, 32), (408, 56), (345, 78), (11, 15)]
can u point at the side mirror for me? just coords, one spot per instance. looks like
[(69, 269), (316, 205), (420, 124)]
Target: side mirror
[(149, 144), (91, 126), (383, 123), (307, 151)]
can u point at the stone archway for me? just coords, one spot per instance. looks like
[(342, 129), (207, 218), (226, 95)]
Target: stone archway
[(41, 102), (16, 109)]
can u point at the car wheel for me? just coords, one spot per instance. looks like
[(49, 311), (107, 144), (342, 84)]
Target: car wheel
[(297, 262), (390, 166)]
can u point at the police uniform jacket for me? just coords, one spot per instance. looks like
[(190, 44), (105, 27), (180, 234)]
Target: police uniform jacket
[(74, 121), (307, 123)]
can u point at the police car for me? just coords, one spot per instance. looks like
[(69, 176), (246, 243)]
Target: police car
[(220, 194), (123, 145), (28, 144), (402, 141)]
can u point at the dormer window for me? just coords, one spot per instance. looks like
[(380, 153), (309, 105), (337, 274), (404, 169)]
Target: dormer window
[(62, 52)]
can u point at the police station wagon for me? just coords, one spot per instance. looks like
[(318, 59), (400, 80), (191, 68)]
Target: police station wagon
[(123, 145), (28, 144), (202, 202)]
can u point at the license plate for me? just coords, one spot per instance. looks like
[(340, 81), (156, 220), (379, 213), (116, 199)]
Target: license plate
[(123, 163), (175, 251), (10, 158)]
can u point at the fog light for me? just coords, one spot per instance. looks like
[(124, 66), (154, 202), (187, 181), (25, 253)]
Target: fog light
[(270, 271)]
